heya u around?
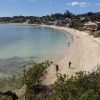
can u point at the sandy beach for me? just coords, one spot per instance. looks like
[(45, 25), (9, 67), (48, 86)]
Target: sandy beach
[(84, 54)]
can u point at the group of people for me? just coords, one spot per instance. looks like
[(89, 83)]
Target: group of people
[(57, 66)]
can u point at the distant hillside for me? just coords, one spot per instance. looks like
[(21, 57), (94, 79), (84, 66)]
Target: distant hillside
[(53, 17), (91, 15)]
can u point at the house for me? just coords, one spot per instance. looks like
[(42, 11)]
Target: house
[(60, 22), (90, 26), (65, 22), (98, 25), (49, 22)]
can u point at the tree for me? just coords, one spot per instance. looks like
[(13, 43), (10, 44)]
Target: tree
[(67, 14), (32, 77), (89, 14)]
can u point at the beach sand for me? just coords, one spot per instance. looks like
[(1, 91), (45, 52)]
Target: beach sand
[(84, 54)]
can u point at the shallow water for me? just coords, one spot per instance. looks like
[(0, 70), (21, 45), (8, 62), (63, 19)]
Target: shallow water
[(21, 42)]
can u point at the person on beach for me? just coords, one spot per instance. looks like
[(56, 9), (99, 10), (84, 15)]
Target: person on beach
[(68, 43), (57, 68), (69, 64)]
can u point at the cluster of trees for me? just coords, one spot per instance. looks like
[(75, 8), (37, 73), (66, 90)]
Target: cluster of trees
[(96, 33), (75, 21), (53, 17), (32, 78), (91, 16), (19, 19), (80, 87), (36, 19)]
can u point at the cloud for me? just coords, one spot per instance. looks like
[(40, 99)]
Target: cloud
[(81, 4), (98, 4)]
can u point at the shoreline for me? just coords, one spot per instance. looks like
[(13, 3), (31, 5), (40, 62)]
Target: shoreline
[(55, 59), (84, 54), (67, 34)]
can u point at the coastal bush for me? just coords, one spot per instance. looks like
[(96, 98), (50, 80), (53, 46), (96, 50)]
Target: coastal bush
[(96, 33), (80, 87), (33, 77)]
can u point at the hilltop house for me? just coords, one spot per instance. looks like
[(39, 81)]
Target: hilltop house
[(65, 22), (60, 22), (90, 26), (98, 25), (50, 22)]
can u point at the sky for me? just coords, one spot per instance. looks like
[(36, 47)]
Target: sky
[(46, 7)]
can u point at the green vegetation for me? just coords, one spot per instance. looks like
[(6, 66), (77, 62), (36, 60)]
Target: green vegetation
[(67, 19), (33, 77), (90, 16), (82, 86), (36, 19), (96, 33), (77, 25)]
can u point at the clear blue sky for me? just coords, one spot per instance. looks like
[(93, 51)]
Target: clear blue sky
[(44, 7)]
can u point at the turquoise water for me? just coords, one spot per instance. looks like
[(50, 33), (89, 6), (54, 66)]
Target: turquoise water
[(31, 41), (18, 42)]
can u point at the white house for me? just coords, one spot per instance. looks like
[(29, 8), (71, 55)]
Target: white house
[(90, 26), (98, 24)]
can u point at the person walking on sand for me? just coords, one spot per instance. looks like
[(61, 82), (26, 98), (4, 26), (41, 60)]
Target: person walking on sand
[(57, 68), (69, 64), (68, 43)]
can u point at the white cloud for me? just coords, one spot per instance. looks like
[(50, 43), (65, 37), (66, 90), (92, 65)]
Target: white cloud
[(81, 4)]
